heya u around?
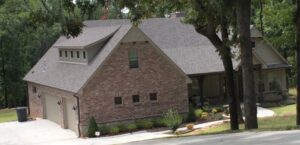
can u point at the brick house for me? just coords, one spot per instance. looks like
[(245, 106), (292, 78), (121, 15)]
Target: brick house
[(116, 72)]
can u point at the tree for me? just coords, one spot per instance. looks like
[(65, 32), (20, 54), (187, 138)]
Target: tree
[(298, 60), (208, 18), (243, 17)]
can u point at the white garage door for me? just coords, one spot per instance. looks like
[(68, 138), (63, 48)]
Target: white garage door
[(71, 119), (52, 109)]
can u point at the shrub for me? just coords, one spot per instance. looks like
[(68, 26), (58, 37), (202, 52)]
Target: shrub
[(92, 127), (214, 110), (190, 126), (144, 124), (158, 122), (204, 115), (207, 108), (131, 127), (114, 129), (172, 119), (122, 127), (103, 129), (198, 113), (191, 115)]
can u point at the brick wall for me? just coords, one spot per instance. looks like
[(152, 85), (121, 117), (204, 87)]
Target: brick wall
[(115, 78)]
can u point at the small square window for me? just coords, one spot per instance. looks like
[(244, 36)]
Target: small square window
[(153, 96), (34, 90), (72, 54), (66, 53), (118, 100), (135, 98)]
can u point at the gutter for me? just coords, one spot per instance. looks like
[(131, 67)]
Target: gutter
[(78, 114)]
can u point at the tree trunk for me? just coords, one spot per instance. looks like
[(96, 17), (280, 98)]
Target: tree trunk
[(298, 60), (243, 20), (227, 62), (3, 76)]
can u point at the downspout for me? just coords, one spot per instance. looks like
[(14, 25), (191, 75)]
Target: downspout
[(78, 114)]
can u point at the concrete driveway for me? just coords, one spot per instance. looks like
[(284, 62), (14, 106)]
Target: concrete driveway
[(245, 138), (44, 132)]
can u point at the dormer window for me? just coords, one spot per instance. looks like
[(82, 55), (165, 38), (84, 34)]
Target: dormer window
[(66, 53), (84, 56), (78, 55), (73, 55)]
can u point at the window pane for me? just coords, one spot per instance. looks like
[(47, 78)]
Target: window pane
[(72, 54), (84, 55), (153, 96), (118, 100), (135, 98), (77, 54), (133, 58), (66, 53), (60, 53)]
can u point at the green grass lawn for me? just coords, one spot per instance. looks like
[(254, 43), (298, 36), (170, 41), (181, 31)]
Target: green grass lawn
[(8, 115), (284, 119)]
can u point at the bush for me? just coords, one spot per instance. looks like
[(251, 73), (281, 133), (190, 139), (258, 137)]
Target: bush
[(191, 115), (103, 129), (198, 113), (204, 116), (158, 122), (131, 127), (172, 119), (144, 124), (92, 127), (122, 127), (114, 129)]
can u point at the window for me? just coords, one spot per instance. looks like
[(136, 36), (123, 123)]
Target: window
[(118, 100), (153, 96), (253, 44), (135, 98), (71, 54), (66, 53), (84, 55), (60, 53), (34, 90), (77, 54), (133, 58)]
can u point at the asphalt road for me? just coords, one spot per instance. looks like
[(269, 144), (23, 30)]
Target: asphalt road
[(245, 138)]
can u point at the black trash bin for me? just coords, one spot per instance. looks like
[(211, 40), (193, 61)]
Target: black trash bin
[(22, 114)]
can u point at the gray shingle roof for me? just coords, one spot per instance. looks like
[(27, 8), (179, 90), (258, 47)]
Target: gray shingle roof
[(66, 76), (89, 36), (192, 52)]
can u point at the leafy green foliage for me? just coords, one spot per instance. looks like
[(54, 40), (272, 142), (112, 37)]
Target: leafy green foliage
[(158, 122), (131, 127), (191, 117), (198, 113), (144, 124), (104, 129), (114, 129), (92, 127), (173, 119)]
